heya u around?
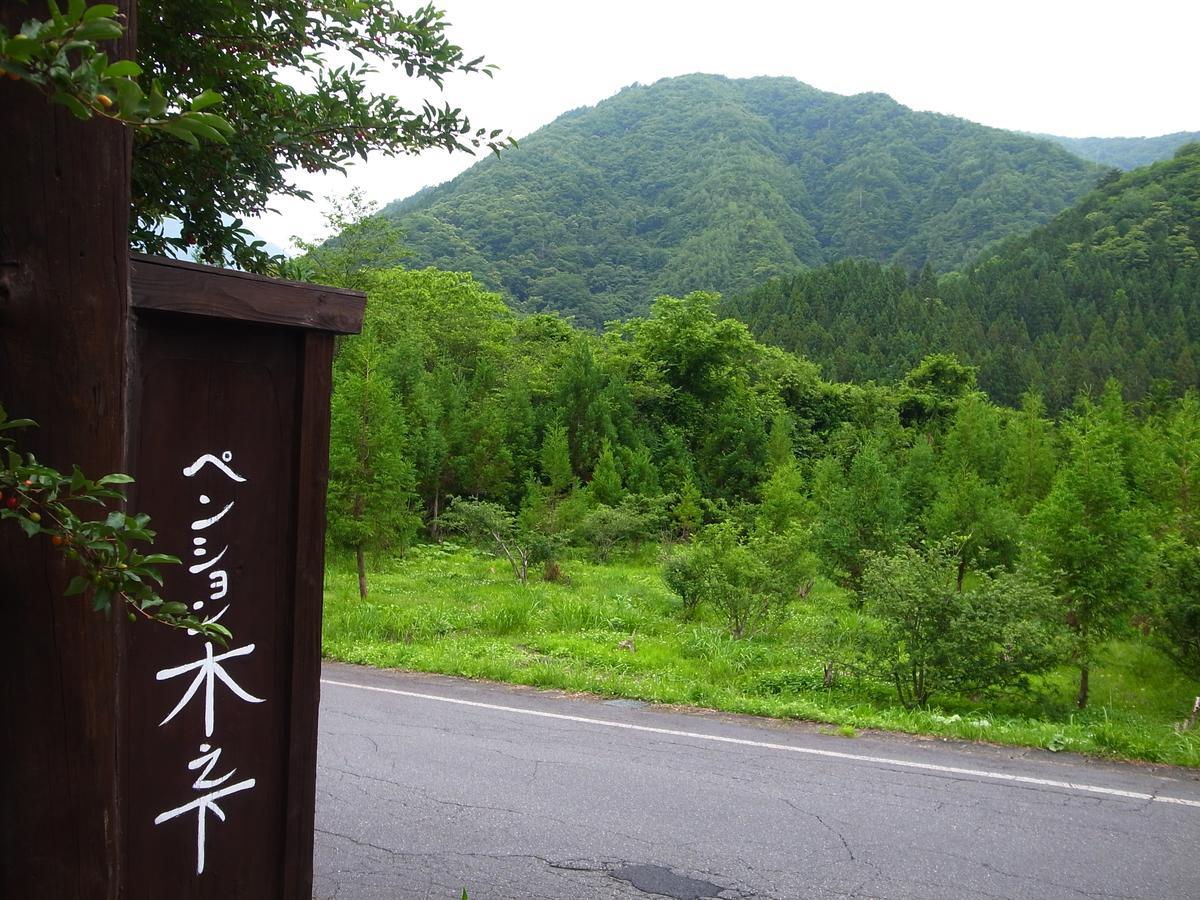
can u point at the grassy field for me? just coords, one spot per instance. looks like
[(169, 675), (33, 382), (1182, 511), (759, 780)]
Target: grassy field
[(456, 612)]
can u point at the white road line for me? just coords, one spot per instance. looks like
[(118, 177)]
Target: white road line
[(831, 754)]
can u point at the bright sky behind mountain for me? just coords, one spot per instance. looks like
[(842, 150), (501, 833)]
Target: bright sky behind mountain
[(1063, 67)]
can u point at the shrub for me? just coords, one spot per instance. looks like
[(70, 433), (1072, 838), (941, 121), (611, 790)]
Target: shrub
[(495, 528), (932, 638), (734, 573), (605, 528)]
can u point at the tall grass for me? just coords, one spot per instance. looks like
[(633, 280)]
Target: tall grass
[(616, 630)]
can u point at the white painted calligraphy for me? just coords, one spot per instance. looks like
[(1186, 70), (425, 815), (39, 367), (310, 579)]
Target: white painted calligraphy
[(207, 458), (212, 667), (218, 583), (208, 670), (208, 802), (200, 567), (201, 524)]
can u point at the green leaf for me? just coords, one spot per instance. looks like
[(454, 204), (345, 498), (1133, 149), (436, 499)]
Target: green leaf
[(29, 526), (213, 121), (78, 109), (76, 9), (205, 100), (122, 68), (78, 585), (20, 50), (199, 129), (116, 478), (158, 103), (115, 519), (102, 600), (99, 30), (100, 11), (176, 130), (129, 97)]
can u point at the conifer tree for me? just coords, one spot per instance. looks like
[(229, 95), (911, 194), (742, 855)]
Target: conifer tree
[(779, 441), (1088, 539), (687, 513), (555, 459), (372, 483), (606, 485), (858, 511)]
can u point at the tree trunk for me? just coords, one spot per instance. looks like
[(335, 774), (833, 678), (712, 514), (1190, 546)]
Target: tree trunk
[(362, 572), (1190, 722), (357, 513), (1082, 700), (962, 571)]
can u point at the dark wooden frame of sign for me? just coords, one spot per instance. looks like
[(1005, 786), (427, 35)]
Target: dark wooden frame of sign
[(170, 294)]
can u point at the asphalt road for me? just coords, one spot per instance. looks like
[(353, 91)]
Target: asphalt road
[(429, 785)]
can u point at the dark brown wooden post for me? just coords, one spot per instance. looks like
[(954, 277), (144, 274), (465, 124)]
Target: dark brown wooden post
[(64, 207)]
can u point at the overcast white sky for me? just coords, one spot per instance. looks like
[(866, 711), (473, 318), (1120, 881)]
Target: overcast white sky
[(1057, 66)]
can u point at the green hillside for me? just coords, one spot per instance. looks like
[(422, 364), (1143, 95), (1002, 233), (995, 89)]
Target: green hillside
[(703, 182), (1109, 287), (1125, 152)]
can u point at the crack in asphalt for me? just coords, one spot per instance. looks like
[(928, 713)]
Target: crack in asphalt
[(835, 832), (1048, 887), (610, 868), (561, 868), (473, 807)]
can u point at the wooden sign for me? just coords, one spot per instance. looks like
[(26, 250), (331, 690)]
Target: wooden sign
[(229, 393)]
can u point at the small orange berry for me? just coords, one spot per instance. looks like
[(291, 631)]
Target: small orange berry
[(104, 100)]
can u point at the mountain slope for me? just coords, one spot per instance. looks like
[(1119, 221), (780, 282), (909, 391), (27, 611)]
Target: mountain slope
[(702, 182), (1110, 287), (1125, 152)]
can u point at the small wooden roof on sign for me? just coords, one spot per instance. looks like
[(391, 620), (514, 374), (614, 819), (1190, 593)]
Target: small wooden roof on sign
[(172, 285)]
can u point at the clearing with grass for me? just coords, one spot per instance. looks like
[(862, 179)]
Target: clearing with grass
[(618, 631)]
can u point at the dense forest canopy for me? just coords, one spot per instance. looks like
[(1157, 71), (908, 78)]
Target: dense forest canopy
[(706, 183), (453, 412), (1109, 288)]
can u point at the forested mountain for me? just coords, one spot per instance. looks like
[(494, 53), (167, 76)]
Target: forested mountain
[(1125, 152), (703, 182), (1110, 287)]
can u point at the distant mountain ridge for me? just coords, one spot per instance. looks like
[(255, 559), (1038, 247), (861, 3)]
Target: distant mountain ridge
[(1125, 152), (704, 182)]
